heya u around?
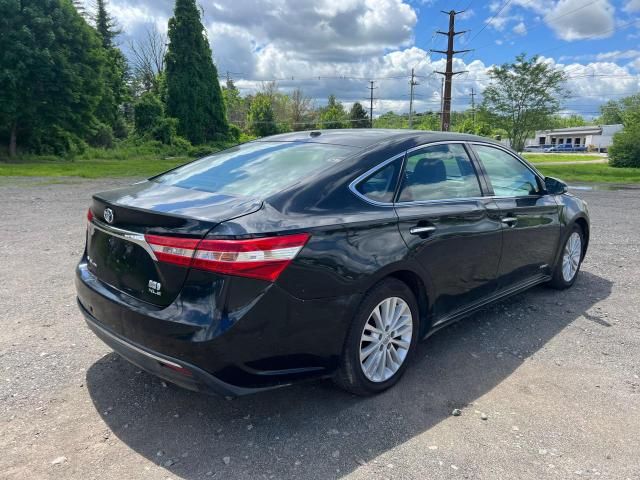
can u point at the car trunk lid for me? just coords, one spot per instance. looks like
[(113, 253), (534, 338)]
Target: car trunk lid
[(118, 252)]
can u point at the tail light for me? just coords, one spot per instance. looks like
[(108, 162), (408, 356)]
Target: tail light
[(89, 215), (263, 258)]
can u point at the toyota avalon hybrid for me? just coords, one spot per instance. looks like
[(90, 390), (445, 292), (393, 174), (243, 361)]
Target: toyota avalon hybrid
[(319, 254)]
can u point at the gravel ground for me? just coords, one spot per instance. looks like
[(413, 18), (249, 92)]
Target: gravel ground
[(547, 382)]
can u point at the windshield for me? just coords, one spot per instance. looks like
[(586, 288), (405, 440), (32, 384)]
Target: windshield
[(255, 169)]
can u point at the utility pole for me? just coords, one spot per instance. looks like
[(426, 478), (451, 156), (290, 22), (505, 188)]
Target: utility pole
[(441, 98), (371, 104), (448, 73), (473, 107), (412, 83)]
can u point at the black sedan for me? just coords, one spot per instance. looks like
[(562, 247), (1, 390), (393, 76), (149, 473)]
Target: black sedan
[(314, 254)]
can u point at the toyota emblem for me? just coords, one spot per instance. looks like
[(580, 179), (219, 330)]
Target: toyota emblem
[(108, 215)]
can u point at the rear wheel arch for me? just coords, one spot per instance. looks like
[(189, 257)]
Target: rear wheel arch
[(417, 286)]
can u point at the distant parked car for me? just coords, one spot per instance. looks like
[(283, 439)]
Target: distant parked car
[(566, 147), (533, 148)]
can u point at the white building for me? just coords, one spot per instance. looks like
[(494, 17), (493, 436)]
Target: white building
[(594, 137)]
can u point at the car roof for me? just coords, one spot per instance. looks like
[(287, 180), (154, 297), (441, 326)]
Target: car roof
[(367, 137)]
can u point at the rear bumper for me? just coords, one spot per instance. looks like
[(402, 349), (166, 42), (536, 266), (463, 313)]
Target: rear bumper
[(173, 370), (235, 336)]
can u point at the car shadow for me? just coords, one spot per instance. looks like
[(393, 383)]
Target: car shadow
[(314, 430)]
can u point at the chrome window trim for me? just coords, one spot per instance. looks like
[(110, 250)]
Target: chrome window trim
[(133, 237), (371, 171), (368, 173)]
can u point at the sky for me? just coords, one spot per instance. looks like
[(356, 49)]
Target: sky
[(338, 46)]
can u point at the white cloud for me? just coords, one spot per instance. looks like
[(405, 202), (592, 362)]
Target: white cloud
[(635, 65), (467, 14), (594, 83), (520, 29), (618, 55), (575, 20), (356, 40), (632, 6), (326, 29)]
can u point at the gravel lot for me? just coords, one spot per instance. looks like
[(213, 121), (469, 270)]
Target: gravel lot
[(555, 373)]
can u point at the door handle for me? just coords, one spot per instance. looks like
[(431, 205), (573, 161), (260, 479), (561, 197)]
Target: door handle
[(510, 221), (421, 230)]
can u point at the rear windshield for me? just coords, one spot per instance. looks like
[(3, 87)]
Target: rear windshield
[(256, 169)]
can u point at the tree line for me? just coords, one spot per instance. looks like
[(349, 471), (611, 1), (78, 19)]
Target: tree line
[(65, 84)]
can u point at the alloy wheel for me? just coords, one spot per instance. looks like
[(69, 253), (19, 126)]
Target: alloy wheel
[(386, 339), (571, 256)]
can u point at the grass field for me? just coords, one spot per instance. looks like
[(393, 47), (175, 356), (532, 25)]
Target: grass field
[(596, 173), (560, 157), (91, 168)]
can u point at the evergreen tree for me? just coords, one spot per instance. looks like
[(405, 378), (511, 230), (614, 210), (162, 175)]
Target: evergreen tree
[(116, 72), (105, 24), (358, 116), (194, 96), (79, 4), (51, 76)]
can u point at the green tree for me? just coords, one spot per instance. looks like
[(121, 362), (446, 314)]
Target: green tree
[(194, 96), (333, 115), (358, 117), (80, 8), (625, 151), (52, 68), (105, 24), (625, 111), (610, 113), (522, 96), (426, 121), (236, 106), (116, 72), (149, 112), (261, 119), (391, 120)]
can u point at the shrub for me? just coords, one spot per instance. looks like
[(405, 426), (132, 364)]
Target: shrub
[(59, 142), (625, 151), (101, 136), (234, 132), (148, 113)]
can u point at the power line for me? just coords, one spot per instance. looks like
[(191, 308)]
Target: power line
[(504, 5)]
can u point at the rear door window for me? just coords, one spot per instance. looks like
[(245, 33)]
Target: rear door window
[(256, 169), (381, 186), (439, 172)]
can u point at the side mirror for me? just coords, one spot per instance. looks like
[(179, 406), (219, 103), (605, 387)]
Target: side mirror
[(553, 186)]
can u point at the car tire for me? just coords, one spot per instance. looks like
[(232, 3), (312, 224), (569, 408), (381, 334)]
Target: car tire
[(568, 265), (363, 366)]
